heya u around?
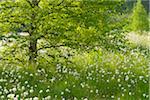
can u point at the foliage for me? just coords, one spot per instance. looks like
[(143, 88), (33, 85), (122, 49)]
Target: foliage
[(139, 20), (62, 23), (69, 50)]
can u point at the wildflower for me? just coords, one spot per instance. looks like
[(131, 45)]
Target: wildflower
[(141, 77), (96, 91), (126, 78), (130, 93), (35, 98), (48, 98), (31, 91), (112, 96), (14, 89), (85, 99), (107, 81), (40, 91), (144, 95), (31, 74), (2, 97), (26, 82), (25, 93), (118, 80), (47, 90), (62, 93), (11, 96), (23, 88)]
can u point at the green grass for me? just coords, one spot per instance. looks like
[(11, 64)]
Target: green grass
[(97, 75), (140, 40)]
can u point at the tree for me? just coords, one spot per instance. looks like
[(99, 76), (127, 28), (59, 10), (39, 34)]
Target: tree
[(62, 23), (139, 19)]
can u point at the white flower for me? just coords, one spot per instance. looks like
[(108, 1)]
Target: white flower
[(96, 91), (19, 76), (15, 98), (31, 91), (118, 80), (28, 85), (38, 71), (25, 93), (26, 73), (82, 85), (91, 91), (31, 74), (126, 78), (129, 85), (141, 77), (3, 80), (26, 82), (122, 95), (85, 99), (48, 98), (144, 95), (75, 98), (23, 88), (62, 93), (35, 85), (67, 90), (14, 89), (65, 82), (112, 96), (107, 81), (63, 98), (35, 98), (11, 96), (129, 93), (47, 90), (40, 91), (2, 97), (5, 91), (119, 85)]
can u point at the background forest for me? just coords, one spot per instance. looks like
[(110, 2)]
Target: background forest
[(74, 50)]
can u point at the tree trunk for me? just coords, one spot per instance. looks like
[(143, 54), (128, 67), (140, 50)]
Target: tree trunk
[(33, 38), (32, 51)]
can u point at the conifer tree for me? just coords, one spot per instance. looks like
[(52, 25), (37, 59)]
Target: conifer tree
[(139, 19)]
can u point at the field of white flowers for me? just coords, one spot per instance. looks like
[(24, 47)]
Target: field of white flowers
[(100, 75)]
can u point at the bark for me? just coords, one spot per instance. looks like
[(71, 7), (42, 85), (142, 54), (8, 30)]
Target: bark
[(33, 39), (33, 51)]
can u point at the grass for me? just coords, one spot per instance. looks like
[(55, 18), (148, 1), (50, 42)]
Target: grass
[(97, 75), (141, 40), (94, 75)]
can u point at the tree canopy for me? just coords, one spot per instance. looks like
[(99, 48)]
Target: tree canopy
[(139, 19), (70, 23)]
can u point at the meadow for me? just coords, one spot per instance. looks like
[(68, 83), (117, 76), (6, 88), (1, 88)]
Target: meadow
[(74, 50)]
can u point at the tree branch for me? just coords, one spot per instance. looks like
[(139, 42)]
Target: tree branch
[(28, 1), (60, 3), (52, 46)]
